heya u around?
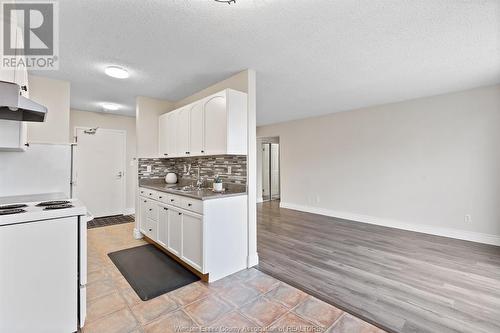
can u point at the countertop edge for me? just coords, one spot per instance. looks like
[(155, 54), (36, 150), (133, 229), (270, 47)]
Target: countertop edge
[(183, 194)]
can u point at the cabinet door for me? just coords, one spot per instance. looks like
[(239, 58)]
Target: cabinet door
[(192, 240), (162, 135), (171, 136), (163, 226), (215, 125), (175, 231), (142, 211), (196, 130), (183, 132)]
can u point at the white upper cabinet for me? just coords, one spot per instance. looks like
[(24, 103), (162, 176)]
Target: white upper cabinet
[(183, 131), (215, 125), (197, 129), (167, 135)]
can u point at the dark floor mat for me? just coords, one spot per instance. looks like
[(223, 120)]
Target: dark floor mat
[(109, 220), (151, 272)]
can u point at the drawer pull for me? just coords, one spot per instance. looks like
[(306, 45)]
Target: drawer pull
[(180, 213), (160, 197), (171, 200), (145, 201), (150, 209), (150, 229), (165, 208), (189, 205)]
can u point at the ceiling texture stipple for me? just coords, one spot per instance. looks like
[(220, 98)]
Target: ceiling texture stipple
[(312, 57)]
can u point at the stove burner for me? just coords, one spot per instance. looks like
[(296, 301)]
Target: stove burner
[(52, 203), (61, 206), (11, 211), (13, 206)]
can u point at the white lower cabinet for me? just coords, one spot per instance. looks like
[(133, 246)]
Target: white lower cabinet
[(192, 240), (207, 235), (175, 232)]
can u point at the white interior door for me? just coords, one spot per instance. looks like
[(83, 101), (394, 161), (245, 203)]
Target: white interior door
[(99, 166), (275, 171), (265, 172)]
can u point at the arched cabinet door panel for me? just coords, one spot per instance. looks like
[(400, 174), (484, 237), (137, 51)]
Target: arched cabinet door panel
[(215, 125)]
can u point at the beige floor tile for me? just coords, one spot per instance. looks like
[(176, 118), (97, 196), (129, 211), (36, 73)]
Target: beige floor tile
[(234, 319), (290, 322), (190, 293), (120, 282), (147, 311), (99, 289), (351, 324), (130, 296), (286, 295), (117, 322), (97, 275), (262, 283), (207, 310), (105, 305), (248, 274), (237, 294), (263, 311), (318, 312), (174, 322)]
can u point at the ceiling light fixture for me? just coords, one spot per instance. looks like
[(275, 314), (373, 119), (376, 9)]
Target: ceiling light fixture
[(226, 1), (110, 106), (116, 72)]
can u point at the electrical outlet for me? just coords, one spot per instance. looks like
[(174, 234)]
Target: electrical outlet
[(148, 168), (468, 218)]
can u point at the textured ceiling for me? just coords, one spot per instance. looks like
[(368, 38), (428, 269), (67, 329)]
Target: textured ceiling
[(312, 57)]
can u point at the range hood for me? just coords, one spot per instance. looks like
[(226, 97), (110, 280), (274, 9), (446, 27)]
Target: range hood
[(13, 106)]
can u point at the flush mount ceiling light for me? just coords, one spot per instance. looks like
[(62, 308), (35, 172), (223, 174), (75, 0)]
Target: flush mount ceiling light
[(110, 106), (226, 1), (117, 72)]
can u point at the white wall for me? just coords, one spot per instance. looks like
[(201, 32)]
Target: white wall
[(147, 112), (111, 121), (419, 165), (55, 95)]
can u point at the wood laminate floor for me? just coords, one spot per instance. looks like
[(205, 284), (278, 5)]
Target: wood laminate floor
[(401, 281)]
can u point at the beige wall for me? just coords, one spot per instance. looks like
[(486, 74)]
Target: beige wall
[(55, 95), (420, 165), (147, 112), (110, 121)]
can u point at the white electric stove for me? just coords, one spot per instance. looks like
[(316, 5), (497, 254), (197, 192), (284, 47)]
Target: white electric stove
[(43, 259)]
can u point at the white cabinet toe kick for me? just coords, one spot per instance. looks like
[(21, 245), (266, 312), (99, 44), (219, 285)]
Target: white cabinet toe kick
[(210, 236)]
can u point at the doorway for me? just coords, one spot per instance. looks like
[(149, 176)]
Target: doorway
[(270, 149), (99, 170)]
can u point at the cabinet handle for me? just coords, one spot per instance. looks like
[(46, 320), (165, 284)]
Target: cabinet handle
[(150, 229), (202, 151), (160, 197), (189, 205), (165, 208), (180, 213), (145, 201), (171, 200), (187, 153), (165, 154), (150, 209)]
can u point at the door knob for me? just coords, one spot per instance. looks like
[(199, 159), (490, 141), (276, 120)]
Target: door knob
[(120, 174)]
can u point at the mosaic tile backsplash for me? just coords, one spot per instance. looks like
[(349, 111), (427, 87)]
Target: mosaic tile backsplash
[(210, 166)]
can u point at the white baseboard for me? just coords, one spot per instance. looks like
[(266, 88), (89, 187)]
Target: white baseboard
[(129, 211), (426, 229), (252, 260), (260, 199), (137, 234)]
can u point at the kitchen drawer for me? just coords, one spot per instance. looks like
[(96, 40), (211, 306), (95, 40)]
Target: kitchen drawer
[(174, 200), (151, 210), (150, 229), (151, 194), (193, 205)]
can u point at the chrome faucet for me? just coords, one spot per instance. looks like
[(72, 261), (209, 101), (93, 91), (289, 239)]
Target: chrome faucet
[(199, 180)]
